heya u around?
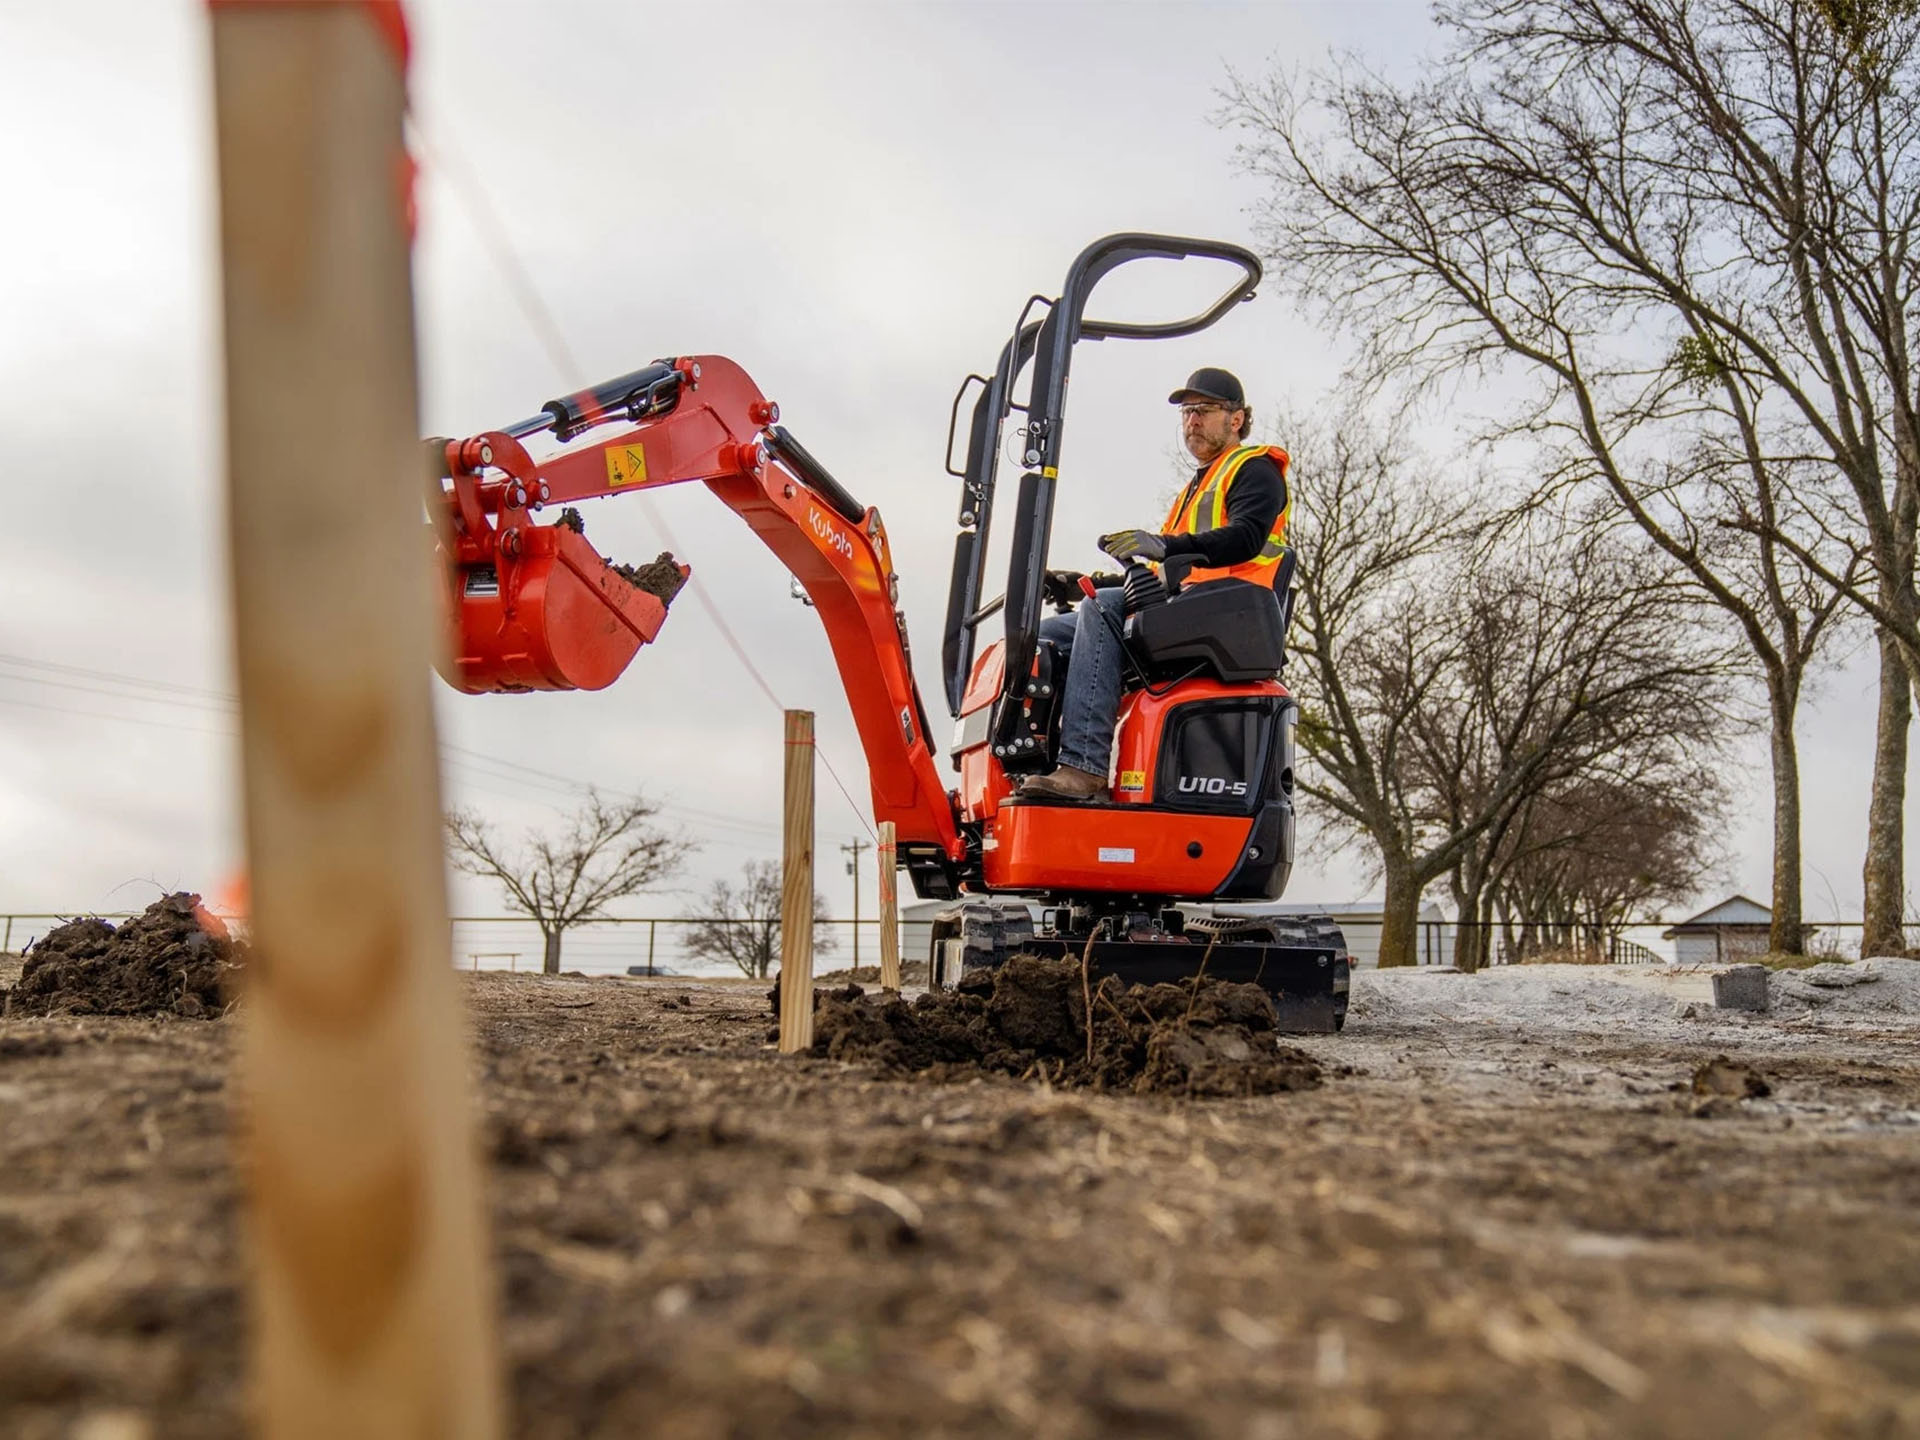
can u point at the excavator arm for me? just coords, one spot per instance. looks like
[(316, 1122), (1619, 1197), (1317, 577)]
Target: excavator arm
[(532, 606)]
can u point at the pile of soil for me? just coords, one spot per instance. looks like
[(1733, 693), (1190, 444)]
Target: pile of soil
[(912, 972), (1029, 1018), (661, 577), (174, 959), (1879, 988)]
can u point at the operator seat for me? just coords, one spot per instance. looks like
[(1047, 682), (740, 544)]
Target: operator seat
[(1233, 630)]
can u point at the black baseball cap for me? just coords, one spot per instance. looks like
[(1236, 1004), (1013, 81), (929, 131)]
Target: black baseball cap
[(1208, 383)]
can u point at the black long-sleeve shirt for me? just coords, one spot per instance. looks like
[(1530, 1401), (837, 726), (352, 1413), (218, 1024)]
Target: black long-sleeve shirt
[(1258, 495)]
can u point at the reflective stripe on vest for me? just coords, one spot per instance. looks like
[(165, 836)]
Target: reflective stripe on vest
[(1203, 506)]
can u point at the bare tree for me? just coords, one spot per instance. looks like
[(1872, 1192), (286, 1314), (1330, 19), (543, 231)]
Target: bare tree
[(741, 923), (1587, 196), (1653, 737), (607, 851), (1451, 682), (1586, 858)]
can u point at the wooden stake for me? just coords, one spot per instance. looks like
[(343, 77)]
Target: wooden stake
[(796, 889), (889, 911), (372, 1310)]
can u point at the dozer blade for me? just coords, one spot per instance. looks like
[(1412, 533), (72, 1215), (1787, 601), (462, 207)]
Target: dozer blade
[(1308, 983)]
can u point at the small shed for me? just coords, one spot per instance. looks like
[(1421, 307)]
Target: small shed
[(1735, 929)]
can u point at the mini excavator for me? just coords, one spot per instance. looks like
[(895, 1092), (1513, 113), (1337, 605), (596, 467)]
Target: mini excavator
[(1202, 808)]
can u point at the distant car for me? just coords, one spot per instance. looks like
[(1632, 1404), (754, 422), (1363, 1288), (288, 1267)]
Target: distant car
[(650, 970)]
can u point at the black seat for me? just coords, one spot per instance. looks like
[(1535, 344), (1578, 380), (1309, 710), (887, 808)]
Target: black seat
[(1233, 630), (1283, 588)]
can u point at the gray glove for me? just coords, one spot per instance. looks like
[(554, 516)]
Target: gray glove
[(1134, 545)]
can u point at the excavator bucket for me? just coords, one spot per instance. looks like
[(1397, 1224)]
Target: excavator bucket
[(554, 616)]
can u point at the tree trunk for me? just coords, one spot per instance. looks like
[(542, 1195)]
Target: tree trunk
[(1470, 935), (1400, 918), (1884, 874), (550, 962), (1785, 935), (1463, 907)]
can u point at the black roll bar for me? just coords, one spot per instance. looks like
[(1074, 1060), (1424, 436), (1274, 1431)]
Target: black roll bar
[(1049, 342)]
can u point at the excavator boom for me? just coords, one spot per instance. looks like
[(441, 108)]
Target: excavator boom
[(533, 606)]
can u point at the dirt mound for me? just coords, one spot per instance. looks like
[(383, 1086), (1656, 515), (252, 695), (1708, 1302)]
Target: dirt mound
[(1028, 1018), (174, 959), (912, 972), (1880, 988), (660, 577)]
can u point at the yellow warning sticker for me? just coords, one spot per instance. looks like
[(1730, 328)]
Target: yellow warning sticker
[(1133, 779), (626, 465)]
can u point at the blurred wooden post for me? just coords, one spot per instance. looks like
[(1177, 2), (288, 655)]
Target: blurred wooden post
[(796, 889), (372, 1311), (889, 911)]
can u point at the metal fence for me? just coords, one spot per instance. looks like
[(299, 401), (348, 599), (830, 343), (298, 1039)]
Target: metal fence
[(650, 945), (1643, 943), (659, 944)]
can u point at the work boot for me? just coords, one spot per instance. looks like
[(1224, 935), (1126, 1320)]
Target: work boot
[(1065, 783)]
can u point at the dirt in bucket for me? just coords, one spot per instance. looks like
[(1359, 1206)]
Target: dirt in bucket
[(176, 959), (660, 577), (1029, 1018)]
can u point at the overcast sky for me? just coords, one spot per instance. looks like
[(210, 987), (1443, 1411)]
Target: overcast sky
[(851, 201)]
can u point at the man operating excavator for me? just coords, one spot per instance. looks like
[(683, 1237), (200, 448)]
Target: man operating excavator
[(1232, 515)]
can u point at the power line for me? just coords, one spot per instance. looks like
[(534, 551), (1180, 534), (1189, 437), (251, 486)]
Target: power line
[(123, 719), (29, 662), (222, 705), (203, 707)]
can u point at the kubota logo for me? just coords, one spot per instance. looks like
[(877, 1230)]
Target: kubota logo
[(826, 532), (1211, 785)]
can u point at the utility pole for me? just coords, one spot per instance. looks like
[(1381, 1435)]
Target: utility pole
[(853, 869)]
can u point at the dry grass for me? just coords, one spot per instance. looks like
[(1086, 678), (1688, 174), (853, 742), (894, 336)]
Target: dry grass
[(1568, 955), (1774, 960)]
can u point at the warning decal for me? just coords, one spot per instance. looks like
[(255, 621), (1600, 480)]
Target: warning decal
[(626, 465), (1133, 779)]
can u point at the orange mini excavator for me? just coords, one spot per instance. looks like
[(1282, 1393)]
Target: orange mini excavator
[(1202, 811)]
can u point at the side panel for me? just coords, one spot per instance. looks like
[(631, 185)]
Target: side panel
[(1111, 849), (1143, 720)]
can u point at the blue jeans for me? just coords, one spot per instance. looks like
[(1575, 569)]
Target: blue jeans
[(1090, 701)]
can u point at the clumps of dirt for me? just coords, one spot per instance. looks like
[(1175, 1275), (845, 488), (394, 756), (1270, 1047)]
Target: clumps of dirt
[(661, 577), (912, 972), (1721, 1083), (176, 959), (1721, 1076), (1029, 1018)]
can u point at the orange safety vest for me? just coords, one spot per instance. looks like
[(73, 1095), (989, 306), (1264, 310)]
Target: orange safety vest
[(1203, 506)]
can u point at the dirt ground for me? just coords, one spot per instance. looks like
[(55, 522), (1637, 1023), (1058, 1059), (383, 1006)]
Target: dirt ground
[(1471, 1227)]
